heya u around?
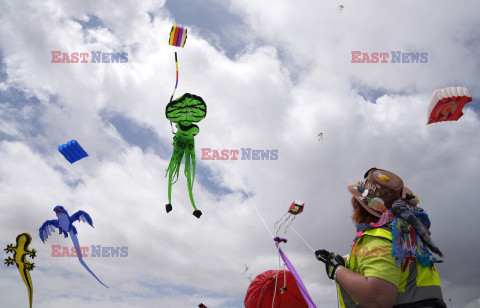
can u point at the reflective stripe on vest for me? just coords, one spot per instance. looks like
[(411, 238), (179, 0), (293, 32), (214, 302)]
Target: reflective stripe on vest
[(416, 283)]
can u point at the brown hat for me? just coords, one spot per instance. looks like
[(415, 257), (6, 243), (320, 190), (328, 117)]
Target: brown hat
[(378, 190)]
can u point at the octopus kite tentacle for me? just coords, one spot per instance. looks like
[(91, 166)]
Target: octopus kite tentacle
[(190, 154), (174, 166)]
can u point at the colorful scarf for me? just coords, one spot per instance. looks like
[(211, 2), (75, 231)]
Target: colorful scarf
[(408, 223)]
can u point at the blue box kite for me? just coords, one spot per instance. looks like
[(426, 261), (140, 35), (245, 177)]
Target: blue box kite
[(72, 151)]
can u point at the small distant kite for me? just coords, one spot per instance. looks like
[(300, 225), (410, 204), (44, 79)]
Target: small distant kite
[(72, 151), (245, 273), (64, 223), (178, 36), (184, 111), (340, 8), (447, 104), (295, 208), (20, 253), (320, 135)]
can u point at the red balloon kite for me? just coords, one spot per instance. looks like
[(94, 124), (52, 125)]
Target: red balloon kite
[(447, 104), (286, 294)]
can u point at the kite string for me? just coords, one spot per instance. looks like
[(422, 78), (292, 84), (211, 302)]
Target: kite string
[(260, 215), (266, 227), (253, 203), (302, 239), (276, 278)]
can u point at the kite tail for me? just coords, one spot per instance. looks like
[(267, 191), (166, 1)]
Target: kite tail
[(25, 273), (30, 289), (289, 224), (279, 220), (281, 225), (79, 254), (176, 84)]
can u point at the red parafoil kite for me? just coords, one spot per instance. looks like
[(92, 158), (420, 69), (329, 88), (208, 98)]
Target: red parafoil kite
[(266, 288), (447, 104)]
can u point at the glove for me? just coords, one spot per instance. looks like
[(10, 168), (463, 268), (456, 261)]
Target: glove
[(331, 260)]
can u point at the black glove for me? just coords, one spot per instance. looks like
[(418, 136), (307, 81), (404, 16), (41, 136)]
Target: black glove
[(331, 260)]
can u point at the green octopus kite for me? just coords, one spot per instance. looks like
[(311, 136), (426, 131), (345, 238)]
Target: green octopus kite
[(184, 111)]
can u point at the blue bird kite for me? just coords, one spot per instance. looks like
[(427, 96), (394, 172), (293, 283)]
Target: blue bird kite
[(72, 151), (64, 223)]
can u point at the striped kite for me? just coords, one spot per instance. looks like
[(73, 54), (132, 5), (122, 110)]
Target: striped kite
[(178, 36)]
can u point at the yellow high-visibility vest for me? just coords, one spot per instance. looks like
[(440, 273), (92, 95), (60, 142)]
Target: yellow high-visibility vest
[(416, 283)]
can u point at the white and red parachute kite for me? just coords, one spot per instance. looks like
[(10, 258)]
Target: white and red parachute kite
[(447, 104)]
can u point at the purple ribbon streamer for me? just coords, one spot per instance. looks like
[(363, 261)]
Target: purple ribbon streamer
[(290, 267)]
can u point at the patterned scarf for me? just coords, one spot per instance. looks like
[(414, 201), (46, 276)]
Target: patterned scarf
[(408, 223)]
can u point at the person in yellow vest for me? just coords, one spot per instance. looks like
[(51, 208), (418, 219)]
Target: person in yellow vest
[(391, 262)]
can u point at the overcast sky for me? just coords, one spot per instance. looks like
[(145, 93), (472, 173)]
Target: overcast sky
[(274, 74)]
